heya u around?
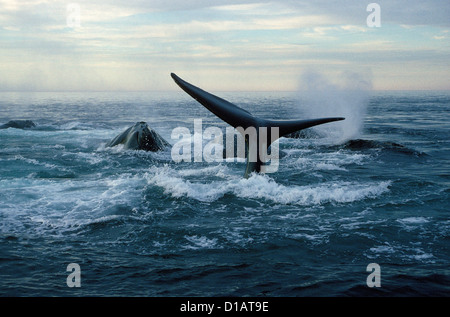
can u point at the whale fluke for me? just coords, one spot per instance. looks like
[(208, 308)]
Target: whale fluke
[(238, 117), (140, 137)]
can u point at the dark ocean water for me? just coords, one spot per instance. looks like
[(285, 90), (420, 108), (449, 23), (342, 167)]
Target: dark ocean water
[(371, 189)]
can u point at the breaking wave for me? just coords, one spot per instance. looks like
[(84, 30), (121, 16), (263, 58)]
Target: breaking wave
[(264, 187)]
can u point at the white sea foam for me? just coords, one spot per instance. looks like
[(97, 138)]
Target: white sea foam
[(310, 164), (264, 187), (383, 249), (405, 252), (421, 256), (413, 220), (235, 236), (413, 223), (71, 125), (177, 187), (259, 186), (213, 170), (200, 242), (59, 206), (89, 157), (36, 162), (333, 161), (314, 238)]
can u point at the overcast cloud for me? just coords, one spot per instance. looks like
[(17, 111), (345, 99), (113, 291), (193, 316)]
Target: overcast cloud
[(221, 45)]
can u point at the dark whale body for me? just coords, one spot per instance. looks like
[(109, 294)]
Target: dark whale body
[(18, 124), (140, 137)]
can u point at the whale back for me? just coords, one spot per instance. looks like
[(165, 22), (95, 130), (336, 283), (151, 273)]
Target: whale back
[(140, 137), (18, 124)]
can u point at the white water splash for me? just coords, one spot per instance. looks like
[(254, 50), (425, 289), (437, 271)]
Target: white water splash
[(320, 97), (263, 187)]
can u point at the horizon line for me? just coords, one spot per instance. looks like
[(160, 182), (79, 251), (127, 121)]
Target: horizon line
[(217, 90)]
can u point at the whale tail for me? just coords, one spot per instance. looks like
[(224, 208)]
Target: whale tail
[(243, 120)]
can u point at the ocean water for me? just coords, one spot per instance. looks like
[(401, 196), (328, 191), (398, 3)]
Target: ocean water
[(371, 189)]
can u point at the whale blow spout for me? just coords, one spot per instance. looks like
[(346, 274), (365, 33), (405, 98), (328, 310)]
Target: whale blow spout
[(244, 121)]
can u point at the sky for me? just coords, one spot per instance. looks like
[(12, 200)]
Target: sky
[(238, 45)]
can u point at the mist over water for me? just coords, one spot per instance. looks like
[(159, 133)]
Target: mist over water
[(319, 96)]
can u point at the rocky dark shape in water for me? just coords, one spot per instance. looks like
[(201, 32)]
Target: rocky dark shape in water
[(140, 137), (18, 124), (360, 144), (370, 144)]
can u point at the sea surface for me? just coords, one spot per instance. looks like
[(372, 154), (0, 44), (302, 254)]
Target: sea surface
[(371, 189)]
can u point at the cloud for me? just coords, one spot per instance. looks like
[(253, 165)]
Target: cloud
[(406, 12), (247, 44)]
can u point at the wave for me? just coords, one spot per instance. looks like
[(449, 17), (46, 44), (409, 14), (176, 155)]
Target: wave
[(33, 161), (53, 207), (325, 161), (200, 242), (306, 134), (50, 126), (263, 187), (68, 126)]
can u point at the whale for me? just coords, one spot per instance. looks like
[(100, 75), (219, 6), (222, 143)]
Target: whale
[(242, 120), (139, 137), (18, 124)]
